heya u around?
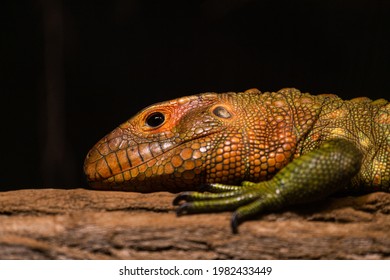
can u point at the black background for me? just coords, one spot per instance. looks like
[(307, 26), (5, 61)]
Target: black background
[(71, 71)]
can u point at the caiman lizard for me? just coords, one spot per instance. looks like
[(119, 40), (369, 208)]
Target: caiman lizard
[(248, 152)]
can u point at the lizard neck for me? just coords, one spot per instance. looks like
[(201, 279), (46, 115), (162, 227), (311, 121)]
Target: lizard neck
[(274, 135)]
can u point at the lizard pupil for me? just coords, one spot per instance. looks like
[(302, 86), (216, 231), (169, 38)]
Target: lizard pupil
[(155, 119)]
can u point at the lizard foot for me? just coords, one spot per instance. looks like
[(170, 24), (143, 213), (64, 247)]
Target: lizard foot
[(246, 200)]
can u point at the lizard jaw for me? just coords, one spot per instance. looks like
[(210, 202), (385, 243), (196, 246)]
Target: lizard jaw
[(146, 167)]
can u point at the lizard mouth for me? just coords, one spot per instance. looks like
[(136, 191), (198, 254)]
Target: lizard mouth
[(108, 166)]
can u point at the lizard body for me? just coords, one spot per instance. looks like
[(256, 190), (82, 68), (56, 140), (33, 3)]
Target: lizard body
[(251, 151)]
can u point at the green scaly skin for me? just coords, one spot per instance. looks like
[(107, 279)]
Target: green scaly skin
[(251, 152)]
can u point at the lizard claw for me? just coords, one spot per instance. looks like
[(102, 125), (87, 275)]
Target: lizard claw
[(184, 196), (235, 222), (183, 209)]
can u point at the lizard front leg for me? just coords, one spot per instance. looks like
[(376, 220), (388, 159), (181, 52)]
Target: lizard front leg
[(312, 176)]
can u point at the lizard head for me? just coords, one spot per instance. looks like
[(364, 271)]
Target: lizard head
[(172, 146)]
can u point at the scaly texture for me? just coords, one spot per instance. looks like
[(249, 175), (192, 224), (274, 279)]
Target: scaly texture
[(251, 151)]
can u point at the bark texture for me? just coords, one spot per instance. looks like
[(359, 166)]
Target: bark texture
[(86, 224)]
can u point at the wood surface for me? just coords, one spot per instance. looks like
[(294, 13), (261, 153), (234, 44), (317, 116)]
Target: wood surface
[(87, 224)]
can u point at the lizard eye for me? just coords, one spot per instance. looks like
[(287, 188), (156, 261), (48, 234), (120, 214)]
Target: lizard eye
[(222, 112), (155, 119)]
